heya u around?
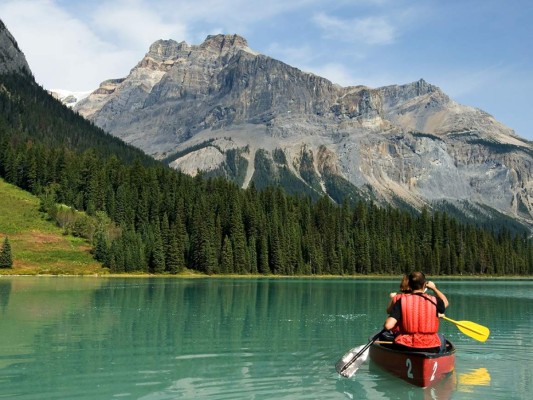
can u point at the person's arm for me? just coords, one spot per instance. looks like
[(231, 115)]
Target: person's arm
[(394, 316), (391, 303), (390, 323), (438, 293)]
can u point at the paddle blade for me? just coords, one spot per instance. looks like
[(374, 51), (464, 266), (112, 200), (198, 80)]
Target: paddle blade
[(469, 328), (475, 331), (353, 364)]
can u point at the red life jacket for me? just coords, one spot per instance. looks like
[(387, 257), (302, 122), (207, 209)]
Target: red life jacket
[(419, 324), (396, 297)]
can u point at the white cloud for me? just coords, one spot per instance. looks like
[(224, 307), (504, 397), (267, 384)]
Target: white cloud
[(61, 50), (336, 73), (349, 76), (135, 24), (294, 56), (78, 45), (372, 30)]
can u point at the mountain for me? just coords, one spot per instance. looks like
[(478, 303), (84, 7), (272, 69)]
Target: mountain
[(222, 108), (12, 60), (30, 113)]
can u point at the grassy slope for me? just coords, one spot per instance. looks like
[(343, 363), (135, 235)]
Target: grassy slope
[(38, 246)]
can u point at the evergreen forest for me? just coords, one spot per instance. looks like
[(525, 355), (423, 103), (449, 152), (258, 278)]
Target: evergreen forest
[(143, 216)]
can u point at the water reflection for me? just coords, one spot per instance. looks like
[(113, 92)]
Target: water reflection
[(384, 386), (475, 377), (158, 338), (390, 388), (5, 291)]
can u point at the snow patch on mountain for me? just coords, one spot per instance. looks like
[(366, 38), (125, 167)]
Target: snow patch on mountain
[(68, 97)]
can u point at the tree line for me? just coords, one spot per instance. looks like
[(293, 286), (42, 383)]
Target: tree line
[(144, 216), (155, 219)]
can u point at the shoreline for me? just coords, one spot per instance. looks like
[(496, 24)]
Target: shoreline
[(194, 275)]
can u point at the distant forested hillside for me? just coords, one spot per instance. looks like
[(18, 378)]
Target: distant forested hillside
[(144, 216), (29, 113)]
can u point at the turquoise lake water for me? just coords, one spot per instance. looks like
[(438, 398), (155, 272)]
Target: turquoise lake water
[(154, 338)]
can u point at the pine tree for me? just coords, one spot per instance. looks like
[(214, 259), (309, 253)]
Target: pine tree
[(263, 263), (238, 240), (6, 260), (174, 260), (203, 253), (165, 236), (277, 264), (252, 252), (101, 247), (226, 258), (181, 241), (157, 262), (116, 263)]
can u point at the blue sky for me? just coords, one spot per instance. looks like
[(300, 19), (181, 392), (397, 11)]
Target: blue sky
[(479, 52)]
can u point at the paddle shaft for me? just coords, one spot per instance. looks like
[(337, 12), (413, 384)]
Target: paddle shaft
[(374, 338), (458, 323)]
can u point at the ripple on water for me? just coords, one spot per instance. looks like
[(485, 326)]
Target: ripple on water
[(345, 317)]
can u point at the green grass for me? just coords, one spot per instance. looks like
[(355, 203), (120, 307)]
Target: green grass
[(38, 246)]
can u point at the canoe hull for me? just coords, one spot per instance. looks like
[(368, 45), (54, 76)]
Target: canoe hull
[(418, 368)]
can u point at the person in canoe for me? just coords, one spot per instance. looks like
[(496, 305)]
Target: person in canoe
[(395, 296), (417, 316)]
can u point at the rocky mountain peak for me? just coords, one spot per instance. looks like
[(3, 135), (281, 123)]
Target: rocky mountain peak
[(422, 87), (412, 90), (223, 43), (11, 58), (162, 50)]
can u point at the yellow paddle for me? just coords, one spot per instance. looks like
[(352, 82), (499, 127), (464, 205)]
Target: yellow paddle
[(475, 331)]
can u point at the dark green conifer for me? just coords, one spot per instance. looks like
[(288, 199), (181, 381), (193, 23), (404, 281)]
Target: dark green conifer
[(174, 260), (6, 259), (226, 257), (238, 239), (157, 261), (263, 263)]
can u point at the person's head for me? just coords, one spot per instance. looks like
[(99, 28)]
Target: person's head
[(404, 284), (417, 280)]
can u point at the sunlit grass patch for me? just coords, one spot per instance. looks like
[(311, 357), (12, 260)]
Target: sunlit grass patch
[(38, 245)]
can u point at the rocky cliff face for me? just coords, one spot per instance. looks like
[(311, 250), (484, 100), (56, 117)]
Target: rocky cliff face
[(222, 108), (12, 60)]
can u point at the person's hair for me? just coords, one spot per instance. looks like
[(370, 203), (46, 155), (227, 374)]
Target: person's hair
[(404, 284), (416, 280)]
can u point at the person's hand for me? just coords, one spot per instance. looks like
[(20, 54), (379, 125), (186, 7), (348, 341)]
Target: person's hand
[(430, 285), (392, 294), (441, 315)]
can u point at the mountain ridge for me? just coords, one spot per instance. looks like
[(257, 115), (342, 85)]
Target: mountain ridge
[(395, 144)]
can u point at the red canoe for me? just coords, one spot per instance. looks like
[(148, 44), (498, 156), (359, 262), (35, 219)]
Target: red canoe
[(418, 368)]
